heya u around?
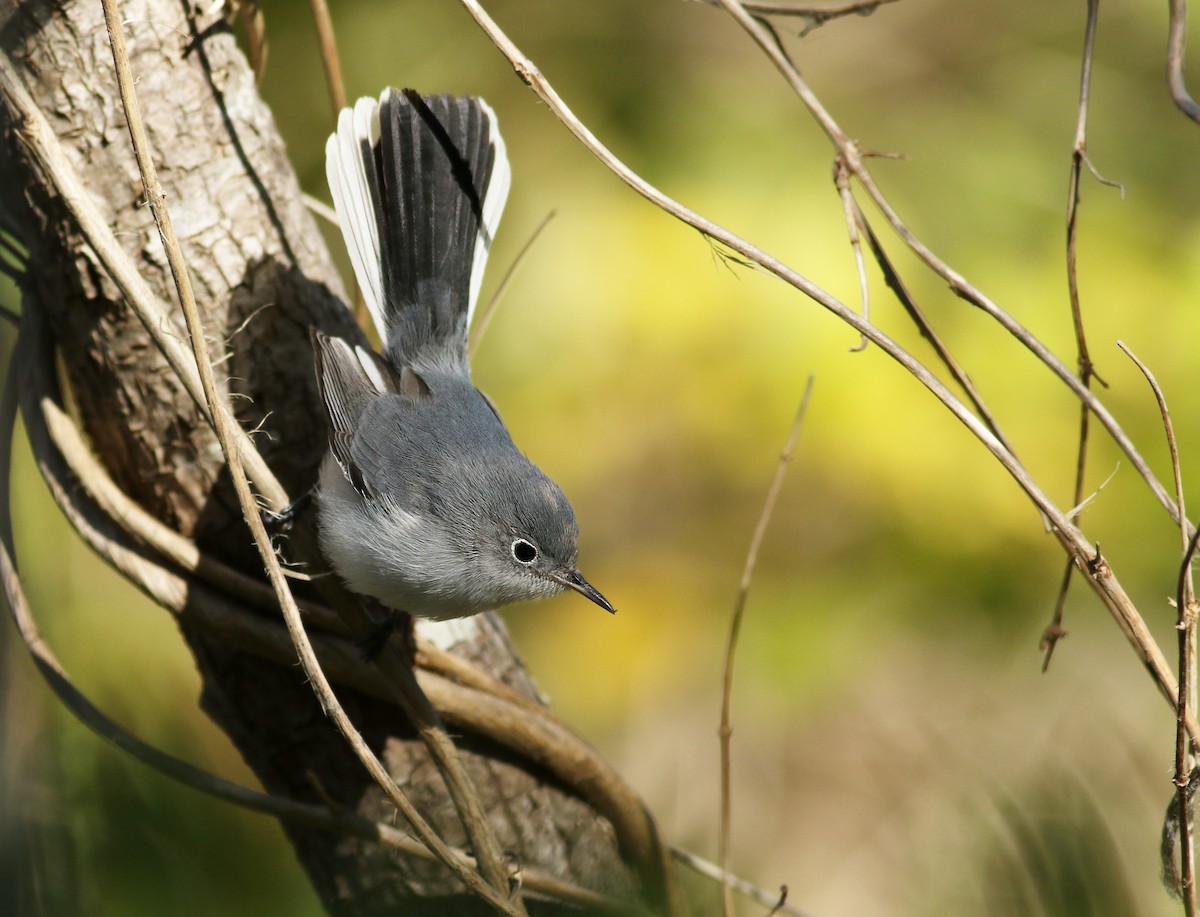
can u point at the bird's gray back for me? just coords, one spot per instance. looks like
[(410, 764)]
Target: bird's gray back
[(422, 453)]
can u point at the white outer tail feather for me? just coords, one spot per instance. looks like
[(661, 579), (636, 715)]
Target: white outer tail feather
[(493, 208), (351, 191), (353, 199)]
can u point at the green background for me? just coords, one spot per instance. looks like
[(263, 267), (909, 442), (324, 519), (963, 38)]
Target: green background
[(897, 749)]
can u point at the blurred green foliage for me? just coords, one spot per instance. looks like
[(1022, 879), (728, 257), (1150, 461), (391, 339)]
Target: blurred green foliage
[(897, 750)]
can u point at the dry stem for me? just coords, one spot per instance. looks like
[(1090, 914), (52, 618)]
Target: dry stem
[(1054, 630), (725, 732), (479, 326), (1185, 604), (1176, 45), (329, 54)]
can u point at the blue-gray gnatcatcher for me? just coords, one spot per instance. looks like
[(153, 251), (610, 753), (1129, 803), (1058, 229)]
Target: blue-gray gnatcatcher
[(424, 502)]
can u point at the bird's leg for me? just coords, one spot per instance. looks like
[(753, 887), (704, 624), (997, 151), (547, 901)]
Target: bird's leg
[(371, 643), (284, 521)]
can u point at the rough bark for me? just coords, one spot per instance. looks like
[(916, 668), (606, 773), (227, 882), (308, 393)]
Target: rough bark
[(262, 278)]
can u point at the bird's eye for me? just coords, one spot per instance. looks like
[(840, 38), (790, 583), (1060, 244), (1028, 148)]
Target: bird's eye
[(523, 552)]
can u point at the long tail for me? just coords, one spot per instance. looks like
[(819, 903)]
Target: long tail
[(419, 183)]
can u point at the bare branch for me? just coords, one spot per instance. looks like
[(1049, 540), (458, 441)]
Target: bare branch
[(896, 284), (712, 871), (725, 732), (851, 213), (321, 209), (329, 54), (479, 326), (254, 24), (815, 15), (1054, 630), (1185, 605), (1176, 51)]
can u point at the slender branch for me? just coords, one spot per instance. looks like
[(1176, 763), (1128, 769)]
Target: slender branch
[(1100, 573), (327, 42), (329, 54), (703, 867), (486, 849), (850, 211), (480, 325), (896, 284), (816, 14), (725, 732), (1054, 630), (1176, 51), (1185, 605), (1186, 602), (254, 25), (321, 209), (1078, 158), (817, 11)]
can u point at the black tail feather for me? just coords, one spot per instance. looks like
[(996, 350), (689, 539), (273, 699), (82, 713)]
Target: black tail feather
[(436, 159), (419, 183)]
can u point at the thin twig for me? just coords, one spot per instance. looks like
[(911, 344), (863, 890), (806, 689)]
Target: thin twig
[(712, 871), (1054, 630), (1185, 606), (725, 732), (816, 14), (1176, 51), (896, 284), (850, 211), (1100, 574), (255, 26), (486, 849), (329, 54), (480, 325), (321, 209), (1186, 601), (816, 11)]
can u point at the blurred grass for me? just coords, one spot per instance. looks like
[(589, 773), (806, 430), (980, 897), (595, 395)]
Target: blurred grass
[(896, 750)]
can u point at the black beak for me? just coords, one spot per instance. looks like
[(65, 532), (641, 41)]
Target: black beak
[(574, 580)]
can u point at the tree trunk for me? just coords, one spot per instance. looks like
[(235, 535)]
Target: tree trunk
[(262, 277)]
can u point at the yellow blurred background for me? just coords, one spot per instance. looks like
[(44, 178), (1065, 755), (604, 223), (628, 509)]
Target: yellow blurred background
[(897, 749)]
